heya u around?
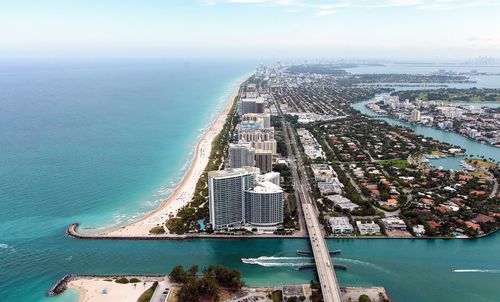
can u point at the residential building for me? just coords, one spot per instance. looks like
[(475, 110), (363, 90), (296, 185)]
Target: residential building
[(323, 172), (342, 202), (226, 195), (340, 225), (264, 160), (415, 115), (242, 197), (370, 228), (264, 119), (394, 224), (264, 205), (419, 230), (241, 155)]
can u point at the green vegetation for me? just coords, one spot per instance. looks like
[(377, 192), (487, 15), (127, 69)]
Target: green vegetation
[(148, 294), (157, 230), (134, 280), (452, 95), (122, 280), (398, 163), (276, 296), (364, 298), (214, 276), (330, 69)]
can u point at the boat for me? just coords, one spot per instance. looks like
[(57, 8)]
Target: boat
[(313, 266), (309, 253)]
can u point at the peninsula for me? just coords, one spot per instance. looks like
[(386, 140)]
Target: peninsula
[(369, 179)]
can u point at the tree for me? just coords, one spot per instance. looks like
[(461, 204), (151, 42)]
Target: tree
[(189, 292), (178, 274), (364, 298), (192, 270)]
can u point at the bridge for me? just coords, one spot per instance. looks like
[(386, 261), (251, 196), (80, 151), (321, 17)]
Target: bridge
[(324, 264)]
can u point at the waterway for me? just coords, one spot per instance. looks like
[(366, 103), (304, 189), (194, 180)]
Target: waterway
[(472, 147)]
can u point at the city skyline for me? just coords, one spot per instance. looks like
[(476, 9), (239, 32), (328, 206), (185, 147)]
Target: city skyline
[(256, 29)]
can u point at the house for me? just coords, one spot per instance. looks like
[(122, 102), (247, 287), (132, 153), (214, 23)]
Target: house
[(394, 224), (443, 209), (481, 218), (427, 201), (473, 225), (370, 228), (391, 203), (434, 225), (419, 230), (477, 193), (340, 225), (342, 202)]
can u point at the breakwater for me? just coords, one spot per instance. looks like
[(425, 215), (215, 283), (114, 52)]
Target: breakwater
[(72, 231)]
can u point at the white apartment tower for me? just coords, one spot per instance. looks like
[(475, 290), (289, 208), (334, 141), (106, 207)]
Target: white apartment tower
[(227, 195)]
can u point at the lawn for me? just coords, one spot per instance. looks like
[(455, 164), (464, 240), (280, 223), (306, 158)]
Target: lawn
[(398, 163)]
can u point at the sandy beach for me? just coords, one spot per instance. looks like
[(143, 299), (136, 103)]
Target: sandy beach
[(183, 193), (98, 290)]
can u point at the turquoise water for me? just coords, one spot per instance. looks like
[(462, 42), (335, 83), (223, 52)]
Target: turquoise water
[(101, 142), (472, 147)]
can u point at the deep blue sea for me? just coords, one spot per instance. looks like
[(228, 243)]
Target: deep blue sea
[(101, 142)]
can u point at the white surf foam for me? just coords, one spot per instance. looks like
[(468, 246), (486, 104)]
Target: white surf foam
[(273, 261), (4, 246), (493, 271)]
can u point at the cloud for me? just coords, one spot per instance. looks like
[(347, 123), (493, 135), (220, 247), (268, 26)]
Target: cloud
[(325, 8), (326, 12)]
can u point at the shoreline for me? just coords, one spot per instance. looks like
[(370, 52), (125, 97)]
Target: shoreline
[(183, 192), (72, 232), (102, 288)]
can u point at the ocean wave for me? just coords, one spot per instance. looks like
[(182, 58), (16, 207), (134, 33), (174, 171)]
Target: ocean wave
[(5, 246), (493, 271), (152, 203)]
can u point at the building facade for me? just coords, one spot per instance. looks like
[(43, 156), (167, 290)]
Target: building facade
[(264, 160), (227, 195), (241, 155), (264, 205)]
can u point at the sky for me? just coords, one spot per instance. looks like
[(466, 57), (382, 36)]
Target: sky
[(257, 29)]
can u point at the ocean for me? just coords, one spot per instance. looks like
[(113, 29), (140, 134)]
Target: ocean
[(102, 142)]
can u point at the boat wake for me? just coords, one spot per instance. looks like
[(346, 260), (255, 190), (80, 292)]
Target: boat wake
[(347, 261), (272, 261), (492, 271)]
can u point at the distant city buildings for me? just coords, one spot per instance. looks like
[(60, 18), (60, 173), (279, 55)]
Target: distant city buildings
[(481, 124), (415, 115)]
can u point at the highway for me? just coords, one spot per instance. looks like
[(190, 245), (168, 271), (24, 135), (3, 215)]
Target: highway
[(324, 264)]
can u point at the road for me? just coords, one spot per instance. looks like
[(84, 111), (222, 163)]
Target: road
[(324, 264)]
